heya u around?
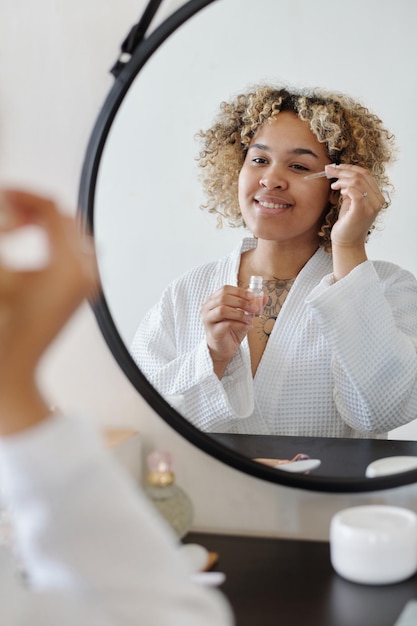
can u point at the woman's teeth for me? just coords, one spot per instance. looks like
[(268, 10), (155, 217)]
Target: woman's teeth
[(272, 205)]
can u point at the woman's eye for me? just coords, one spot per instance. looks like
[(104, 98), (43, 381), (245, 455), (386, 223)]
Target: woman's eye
[(302, 168), (259, 160)]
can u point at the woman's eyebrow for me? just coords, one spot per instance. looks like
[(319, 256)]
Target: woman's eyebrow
[(298, 151), (304, 151), (259, 146)]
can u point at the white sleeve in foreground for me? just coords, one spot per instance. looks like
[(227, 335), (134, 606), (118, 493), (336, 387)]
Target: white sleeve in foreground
[(86, 532)]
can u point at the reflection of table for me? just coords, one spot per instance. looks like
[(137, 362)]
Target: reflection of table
[(339, 457), (272, 582)]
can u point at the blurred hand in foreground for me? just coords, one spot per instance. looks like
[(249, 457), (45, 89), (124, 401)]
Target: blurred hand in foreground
[(36, 303)]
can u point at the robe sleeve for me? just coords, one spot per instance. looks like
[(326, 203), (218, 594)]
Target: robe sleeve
[(369, 319), (89, 541)]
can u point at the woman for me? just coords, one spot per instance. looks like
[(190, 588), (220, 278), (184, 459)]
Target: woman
[(334, 351)]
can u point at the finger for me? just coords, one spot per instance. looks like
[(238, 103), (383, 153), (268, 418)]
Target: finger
[(230, 291), (237, 299), (30, 208), (7, 218), (346, 169), (362, 196), (66, 241), (18, 208), (228, 314), (225, 313), (357, 177), (73, 255), (23, 207)]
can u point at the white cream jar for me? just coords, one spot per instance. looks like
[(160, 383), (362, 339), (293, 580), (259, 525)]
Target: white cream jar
[(374, 544)]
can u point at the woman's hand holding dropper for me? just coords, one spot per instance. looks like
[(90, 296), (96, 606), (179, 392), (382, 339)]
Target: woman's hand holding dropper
[(362, 201)]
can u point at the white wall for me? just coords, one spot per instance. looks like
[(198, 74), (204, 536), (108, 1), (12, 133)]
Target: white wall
[(148, 168), (55, 57)]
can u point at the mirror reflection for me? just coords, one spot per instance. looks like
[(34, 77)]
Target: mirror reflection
[(308, 363), (149, 171)]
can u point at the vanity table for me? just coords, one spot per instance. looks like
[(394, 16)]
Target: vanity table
[(286, 582)]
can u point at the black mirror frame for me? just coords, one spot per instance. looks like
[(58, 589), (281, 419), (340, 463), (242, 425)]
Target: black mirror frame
[(125, 71)]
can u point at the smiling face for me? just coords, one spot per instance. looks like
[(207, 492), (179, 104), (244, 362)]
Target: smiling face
[(276, 202)]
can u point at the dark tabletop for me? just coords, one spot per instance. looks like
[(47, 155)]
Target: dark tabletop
[(344, 458), (280, 582)]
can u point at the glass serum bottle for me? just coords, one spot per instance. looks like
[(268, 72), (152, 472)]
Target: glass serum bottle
[(256, 288), (169, 499)]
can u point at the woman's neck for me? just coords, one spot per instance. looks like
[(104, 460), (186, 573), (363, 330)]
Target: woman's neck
[(275, 260)]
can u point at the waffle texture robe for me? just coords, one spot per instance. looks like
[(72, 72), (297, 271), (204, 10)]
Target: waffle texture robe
[(341, 360)]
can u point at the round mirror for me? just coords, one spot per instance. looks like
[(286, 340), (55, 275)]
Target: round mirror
[(141, 194)]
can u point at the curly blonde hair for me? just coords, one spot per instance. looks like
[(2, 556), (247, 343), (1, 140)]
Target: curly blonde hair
[(351, 133)]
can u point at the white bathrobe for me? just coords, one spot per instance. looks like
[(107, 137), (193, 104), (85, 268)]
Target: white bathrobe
[(94, 550), (341, 360)]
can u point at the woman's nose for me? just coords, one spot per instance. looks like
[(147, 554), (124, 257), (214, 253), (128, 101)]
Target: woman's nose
[(273, 179)]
